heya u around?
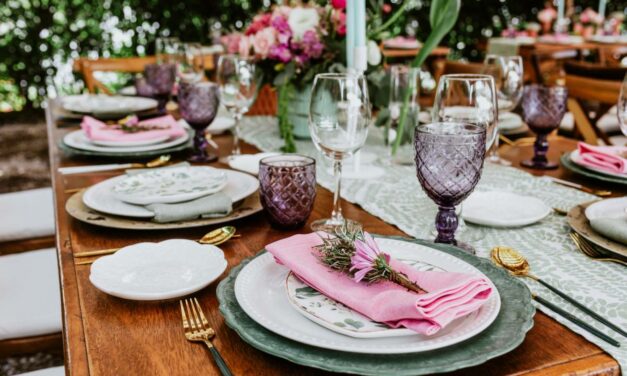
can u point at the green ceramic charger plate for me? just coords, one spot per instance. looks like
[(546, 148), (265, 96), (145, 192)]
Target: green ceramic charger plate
[(569, 164), (506, 332)]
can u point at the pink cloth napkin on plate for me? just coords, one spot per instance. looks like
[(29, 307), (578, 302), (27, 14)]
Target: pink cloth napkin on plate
[(450, 295), (607, 158), (99, 131)]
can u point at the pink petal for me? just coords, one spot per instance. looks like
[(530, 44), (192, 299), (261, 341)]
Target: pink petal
[(361, 274), (371, 243)]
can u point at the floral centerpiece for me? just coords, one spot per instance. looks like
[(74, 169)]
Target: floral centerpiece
[(291, 44)]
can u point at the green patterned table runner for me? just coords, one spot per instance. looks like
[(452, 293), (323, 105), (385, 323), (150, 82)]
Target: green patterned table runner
[(398, 199)]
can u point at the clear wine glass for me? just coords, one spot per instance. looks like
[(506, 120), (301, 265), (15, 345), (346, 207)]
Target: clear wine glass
[(191, 66), (449, 161), (198, 104), (339, 114), (238, 89), (507, 72), (622, 107), (404, 82)]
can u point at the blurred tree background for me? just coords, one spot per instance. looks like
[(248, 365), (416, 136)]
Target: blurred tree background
[(39, 38)]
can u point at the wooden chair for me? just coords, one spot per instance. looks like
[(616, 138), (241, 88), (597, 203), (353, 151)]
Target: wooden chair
[(87, 67), (548, 65), (592, 84), (455, 67)]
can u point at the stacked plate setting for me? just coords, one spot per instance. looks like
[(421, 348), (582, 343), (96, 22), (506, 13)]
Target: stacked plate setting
[(572, 161)]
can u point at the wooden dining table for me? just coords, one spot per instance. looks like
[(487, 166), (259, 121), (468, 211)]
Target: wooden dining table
[(105, 335)]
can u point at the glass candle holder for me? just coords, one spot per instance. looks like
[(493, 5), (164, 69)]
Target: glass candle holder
[(288, 189)]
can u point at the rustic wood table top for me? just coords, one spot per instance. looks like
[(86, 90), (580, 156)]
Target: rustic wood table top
[(104, 335)]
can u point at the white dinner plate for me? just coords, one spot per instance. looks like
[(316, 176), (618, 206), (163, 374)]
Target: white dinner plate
[(248, 162), (260, 291), (97, 103), (608, 208), (157, 271), (130, 144), (575, 157), (170, 185), (221, 124), (100, 196), (78, 140), (503, 209), (509, 121)]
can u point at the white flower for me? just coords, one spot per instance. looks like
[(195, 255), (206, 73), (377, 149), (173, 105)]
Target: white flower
[(302, 20), (374, 53)]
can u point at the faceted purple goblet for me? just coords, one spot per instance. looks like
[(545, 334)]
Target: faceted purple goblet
[(198, 104), (161, 78), (449, 161), (288, 189), (543, 110)]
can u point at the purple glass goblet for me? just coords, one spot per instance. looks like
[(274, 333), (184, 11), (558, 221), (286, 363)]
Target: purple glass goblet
[(543, 110), (449, 161), (161, 78), (198, 105), (288, 189)]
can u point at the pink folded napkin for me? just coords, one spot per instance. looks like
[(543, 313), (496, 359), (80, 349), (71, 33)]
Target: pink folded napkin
[(606, 158), (99, 131), (449, 296)]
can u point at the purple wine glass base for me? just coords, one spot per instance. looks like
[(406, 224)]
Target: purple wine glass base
[(539, 160), (200, 148), (446, 224)]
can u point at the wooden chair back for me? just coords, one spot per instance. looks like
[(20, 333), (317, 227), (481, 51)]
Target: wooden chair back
[(548, 66), (455, 67)]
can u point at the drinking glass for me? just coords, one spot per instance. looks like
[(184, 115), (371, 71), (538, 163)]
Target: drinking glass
[(543, 110), (507, 72), (198, 104), (404, 83), (167, 50), (191, 66), (449, 161), (288, 189), (339, 114), (161, 78), (622, 107), (238, 88)]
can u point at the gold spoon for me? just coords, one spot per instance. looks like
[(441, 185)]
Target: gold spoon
[(215, 237), (517, 264)]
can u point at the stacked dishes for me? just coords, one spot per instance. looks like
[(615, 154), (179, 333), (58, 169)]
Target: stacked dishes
[(170, 197), (605, 163), (276, 312)]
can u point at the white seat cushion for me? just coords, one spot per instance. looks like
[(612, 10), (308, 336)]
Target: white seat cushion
[(26, 214), (54, 371), (30, 301)]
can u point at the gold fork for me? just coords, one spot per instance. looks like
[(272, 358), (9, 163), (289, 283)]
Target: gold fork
[(197, 329), (587, 249)]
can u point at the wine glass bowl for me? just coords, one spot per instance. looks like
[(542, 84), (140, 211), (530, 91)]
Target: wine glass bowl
[(161, 78), (191, 66), (198, 105), (543, 110), (449, 161)]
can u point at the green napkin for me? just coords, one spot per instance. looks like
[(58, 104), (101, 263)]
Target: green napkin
[(612, 228), (212, 206)]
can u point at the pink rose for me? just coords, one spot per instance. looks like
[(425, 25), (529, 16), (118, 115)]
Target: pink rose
[(244, 46), (263, 41), (338, 4), (339, 22), (231, 42)]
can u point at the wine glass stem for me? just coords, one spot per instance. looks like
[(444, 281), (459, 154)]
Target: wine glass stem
[(494, 150), (446, 224), (200, 143), (540, 148), (336, 214), (236, 150)]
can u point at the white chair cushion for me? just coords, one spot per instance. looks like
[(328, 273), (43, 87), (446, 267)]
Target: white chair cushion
[(54, 371), (26, 214), (30, 301)]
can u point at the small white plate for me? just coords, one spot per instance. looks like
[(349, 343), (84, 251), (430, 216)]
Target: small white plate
[(130, 144), (260, 291), (575, 157), (248, 162), (503, 209), (509, 121), (157, 271), (170, 185), (220, 125), (100, 196), (608, 208), (78, 140), (95, 103)]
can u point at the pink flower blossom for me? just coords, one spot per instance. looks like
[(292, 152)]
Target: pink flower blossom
[(387, 8), (260, 21), (312, 47), (282, 11), (281, 52), (338, 17), (366, 254), (244, 46), (547, 15), (231, 42), (263, 41), (338, 4)]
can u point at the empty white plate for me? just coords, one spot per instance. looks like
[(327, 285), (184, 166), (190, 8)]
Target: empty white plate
[(221, 124), (503, 209), (170, 185), (608, 208), (95, 103), (157, 271), (509, 121)]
